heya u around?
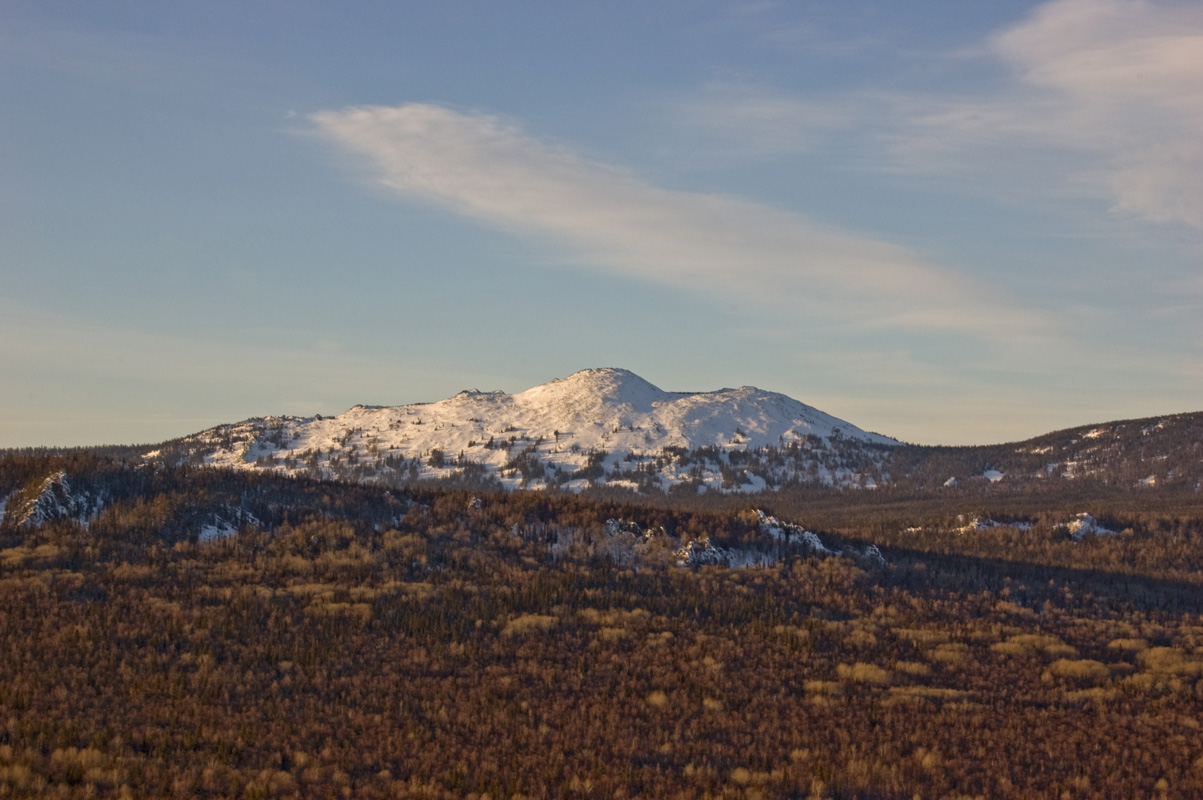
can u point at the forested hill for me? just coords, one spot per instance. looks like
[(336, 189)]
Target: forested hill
[(183, 632), (1154, 452), (101, 501)]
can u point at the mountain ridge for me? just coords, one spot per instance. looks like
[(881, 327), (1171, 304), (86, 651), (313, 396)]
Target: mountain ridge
[(609, 426), (597, 423)]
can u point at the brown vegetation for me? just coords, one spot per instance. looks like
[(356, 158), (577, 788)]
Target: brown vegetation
[(454, 653)]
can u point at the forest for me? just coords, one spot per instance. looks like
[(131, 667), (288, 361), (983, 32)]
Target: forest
[(189, 632)]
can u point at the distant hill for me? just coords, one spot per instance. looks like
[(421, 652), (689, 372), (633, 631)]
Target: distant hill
[(611, 428), (1164, 452), (598, 426)]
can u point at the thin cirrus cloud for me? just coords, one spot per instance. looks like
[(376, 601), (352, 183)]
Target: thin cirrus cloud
[(1119, 82), (487, 170), (745, 119)]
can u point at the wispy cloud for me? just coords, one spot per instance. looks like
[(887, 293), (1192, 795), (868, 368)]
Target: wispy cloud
[(1119, 82), (1097, 98), (486, 169), (745, 118)]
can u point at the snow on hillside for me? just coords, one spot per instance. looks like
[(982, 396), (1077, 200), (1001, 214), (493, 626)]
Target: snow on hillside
[(1084, 525), (54, 500), (1150, 452), (225, 523), (627, 544), (597, 424)]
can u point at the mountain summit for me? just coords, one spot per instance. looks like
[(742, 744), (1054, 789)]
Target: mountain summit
[(595, 388), (597, 426)]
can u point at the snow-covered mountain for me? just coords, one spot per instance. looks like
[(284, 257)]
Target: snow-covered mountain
[(597, 426)]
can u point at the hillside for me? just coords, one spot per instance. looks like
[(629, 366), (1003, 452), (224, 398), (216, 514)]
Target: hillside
[(1165, 452), (333, 639)]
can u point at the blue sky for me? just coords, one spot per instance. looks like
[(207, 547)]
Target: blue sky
[(950, 222)]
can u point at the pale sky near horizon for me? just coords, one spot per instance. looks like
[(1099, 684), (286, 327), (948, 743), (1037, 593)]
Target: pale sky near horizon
[(949, 222)]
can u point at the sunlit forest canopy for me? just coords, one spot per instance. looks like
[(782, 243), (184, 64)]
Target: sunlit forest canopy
[(190, 632)]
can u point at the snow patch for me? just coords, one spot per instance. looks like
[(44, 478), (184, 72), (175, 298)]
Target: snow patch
[(788, 532), (225, 524), (210, 533), (625, 542), (701, 552), (1084, 525), (870, 553), (978, 524)]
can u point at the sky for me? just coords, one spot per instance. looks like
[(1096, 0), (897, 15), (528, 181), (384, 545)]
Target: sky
[(949, 222)]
